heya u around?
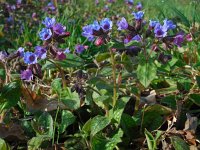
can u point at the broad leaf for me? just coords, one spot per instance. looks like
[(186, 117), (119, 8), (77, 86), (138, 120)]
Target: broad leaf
[(36, 142), (98, 123), (178, 143), (146, 72), (3, 145), (67, 118), (10, 95), (102, 143), (70, 99)]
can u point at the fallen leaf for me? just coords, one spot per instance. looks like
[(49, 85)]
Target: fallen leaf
[(35, 102)]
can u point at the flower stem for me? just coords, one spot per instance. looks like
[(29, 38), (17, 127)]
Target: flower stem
[(114, 77)]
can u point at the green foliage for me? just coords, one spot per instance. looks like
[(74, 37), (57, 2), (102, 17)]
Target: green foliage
[(146, 72), (179, 144), (9, 95)]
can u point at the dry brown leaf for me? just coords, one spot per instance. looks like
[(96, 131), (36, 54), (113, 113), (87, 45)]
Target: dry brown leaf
[(12, 132), (36, 102)]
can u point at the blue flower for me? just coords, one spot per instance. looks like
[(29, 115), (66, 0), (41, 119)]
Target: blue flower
[(40, 52), (152, 23), (122, 24), (138, 15), (168, 24), (88, 32), (106, 24), (26, 75), (96, 26), (137, 38), (49, 22), (139, 6), (67, 51), (30, 58), (58, 28), (79, 49), (160, 31), (45, 34)]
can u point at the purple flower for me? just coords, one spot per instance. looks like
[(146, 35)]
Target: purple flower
[(129, 2), (127, 39), (96, 26), (168, 24), (178, 40), (58, 28), (3, 55), (106, 24), (30, 58), (18, 2), (79, 49), (122, 24), (139, 6), (67, 51), (40, 52), (49, 22), (20, 51), (60, 55), (152, 23), (160, 31), (88, 32), (138, 15), (137, 38), (51, 6), (45, 34), (27, 75)]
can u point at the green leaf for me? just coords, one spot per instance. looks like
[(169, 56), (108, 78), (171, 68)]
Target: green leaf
[(114, 140), (119, 108), (10, 95), (178, 143), (72, 60), (126, 61), (87, 127), (67, 119), (103, 100), (133, 43), (3, 145), (101, 143), (98, 123), (70, 99), (146, 72), (45, 121), (150, 140), (48, 65), (195, 98), (154, 116), (198, 80), (56, 85), (36, 142), (102, 56), (170, 101), (2, 74)]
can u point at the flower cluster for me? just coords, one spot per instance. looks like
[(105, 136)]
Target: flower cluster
[(52, 32), (137, 31), (97, 30)]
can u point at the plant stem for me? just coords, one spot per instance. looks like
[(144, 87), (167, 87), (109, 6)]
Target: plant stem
[(114, 77)]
